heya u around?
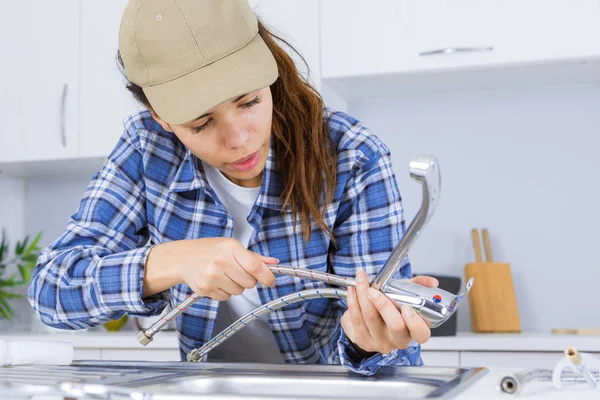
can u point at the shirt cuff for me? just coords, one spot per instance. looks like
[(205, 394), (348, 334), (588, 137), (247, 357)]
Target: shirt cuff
[(120, 282), (369, 366)]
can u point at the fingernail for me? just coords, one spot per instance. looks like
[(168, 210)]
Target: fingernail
[(373, 294), (407, 311), (360, 277)]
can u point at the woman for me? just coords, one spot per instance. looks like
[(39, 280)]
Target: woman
[(235, 164)]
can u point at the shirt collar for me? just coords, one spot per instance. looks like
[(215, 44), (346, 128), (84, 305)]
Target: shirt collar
[(191, 176)]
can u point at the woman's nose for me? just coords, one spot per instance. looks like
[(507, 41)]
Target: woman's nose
[(235, 134)]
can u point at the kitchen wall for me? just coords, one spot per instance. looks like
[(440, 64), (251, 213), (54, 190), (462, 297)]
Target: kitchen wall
[(12, 207), (521, 163), (63, 195)]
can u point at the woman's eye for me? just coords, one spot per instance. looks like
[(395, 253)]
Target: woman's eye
[(252, 102), (197, 129)]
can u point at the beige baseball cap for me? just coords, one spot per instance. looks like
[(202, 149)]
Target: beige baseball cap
[(191, 55)]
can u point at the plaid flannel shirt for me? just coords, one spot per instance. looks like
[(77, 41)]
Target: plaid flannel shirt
[(152, 190)]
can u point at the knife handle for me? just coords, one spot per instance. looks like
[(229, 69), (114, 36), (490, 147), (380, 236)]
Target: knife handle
[(487, 246), (476, 245)]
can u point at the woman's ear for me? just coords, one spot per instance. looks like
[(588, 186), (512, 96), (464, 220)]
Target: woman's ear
[(162, 123)]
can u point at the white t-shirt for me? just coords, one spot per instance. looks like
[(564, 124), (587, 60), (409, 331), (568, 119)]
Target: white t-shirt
[(255, 342)]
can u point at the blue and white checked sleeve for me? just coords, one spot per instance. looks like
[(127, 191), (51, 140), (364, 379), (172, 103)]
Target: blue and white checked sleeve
[(371, 224), (94, 271)]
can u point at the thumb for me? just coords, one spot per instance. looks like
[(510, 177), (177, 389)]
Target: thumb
[(428, 281)]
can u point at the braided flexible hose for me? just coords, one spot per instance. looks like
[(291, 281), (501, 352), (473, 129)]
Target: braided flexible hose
[(196, 355)]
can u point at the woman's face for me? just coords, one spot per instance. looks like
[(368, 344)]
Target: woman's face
[(233, 136)]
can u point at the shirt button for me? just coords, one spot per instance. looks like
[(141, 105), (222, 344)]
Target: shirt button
[(223, 221)]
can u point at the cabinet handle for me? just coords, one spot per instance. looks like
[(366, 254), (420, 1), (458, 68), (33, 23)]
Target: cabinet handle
[(63, 111), (454, 50)]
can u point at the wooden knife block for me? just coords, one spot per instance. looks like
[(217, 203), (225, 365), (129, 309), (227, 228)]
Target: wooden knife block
[(492, 300)]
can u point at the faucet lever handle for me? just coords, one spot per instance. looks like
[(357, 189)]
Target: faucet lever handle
[(425, 170)]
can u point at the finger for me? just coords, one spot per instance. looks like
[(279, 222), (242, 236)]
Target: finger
[(269, 260), (347, 325), (229, 286), (417, 327), (241, 277), (220, 295), (215, 293), (397, 330), (428, 281), (252, 264), (370, 314), (359, 333)]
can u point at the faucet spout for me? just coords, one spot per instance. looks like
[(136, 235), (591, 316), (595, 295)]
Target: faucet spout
[(425, 170)]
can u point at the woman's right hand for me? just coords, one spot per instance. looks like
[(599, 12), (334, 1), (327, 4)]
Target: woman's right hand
[(212, 267)]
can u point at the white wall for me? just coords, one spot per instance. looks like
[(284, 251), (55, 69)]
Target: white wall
[(50, 203), (12, 207), (13, 192), (523, 164)]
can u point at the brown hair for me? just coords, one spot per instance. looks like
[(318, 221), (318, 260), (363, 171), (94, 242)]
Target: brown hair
[(304, 148)]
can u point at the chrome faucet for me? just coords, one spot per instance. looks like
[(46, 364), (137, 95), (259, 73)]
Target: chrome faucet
[(425, 170)]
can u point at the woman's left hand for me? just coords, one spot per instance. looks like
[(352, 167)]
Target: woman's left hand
[(374, 324)]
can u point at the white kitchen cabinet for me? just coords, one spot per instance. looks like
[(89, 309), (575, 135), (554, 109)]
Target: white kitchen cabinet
[(510, 359), (416, 47), (472, 33), (360, 37), (440, 358), (395, 36), (297, 22), (469, 27), (39, 42), (105, 100), (546, 30)]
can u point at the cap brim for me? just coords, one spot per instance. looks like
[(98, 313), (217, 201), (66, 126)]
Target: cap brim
[(186, 98)]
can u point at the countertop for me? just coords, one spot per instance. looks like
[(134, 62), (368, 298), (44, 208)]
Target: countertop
[(534, 341), (466, 341), (487, 387)]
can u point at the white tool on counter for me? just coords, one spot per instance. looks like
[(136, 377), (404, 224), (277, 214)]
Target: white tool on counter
[(580, 363), (27, 352), (581, 371)]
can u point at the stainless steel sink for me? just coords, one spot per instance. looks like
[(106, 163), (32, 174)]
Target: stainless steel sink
[(175, 380)]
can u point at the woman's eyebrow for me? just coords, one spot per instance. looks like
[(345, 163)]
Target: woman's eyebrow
[(234, 101)]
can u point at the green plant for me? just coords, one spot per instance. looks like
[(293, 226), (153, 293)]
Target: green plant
[(24, 258)]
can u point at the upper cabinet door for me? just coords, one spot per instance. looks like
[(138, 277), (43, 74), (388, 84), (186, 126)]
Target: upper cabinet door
[(297, 22), (452, 33), (40, 79), (545, 30), (501, 32), (364, 37), (105, 100)]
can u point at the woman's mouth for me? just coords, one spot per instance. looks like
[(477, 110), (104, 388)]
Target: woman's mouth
[(246, 163)]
